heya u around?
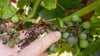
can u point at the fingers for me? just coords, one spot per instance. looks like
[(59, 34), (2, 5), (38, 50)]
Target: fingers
[(37, 47), (44, 54)]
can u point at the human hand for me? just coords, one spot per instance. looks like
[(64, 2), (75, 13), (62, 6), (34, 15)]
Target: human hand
[(36, 48)]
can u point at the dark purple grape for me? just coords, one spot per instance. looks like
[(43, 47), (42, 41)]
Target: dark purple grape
[(4, 40)]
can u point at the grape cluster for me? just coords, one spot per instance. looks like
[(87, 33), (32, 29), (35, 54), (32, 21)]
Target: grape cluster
[(73, 32), (10, 32)]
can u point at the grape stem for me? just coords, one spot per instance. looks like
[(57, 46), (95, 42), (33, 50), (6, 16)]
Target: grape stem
[(37, 2), (61, 6), (48, 20), (15, 29), (71, 47)]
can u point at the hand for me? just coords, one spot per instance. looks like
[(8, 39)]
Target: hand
[(36, 48)]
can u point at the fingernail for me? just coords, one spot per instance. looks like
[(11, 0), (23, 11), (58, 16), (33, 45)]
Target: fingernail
[(57, 33)]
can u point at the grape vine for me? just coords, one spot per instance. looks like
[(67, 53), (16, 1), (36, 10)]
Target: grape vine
[(76, 34)]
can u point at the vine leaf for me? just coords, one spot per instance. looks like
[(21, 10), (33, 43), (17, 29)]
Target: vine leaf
[(49, 4), (51, 14), (94, 18), (22, 3), (28, 22), (94, 46), (78, 53), (69, 3), (8, 11), (64, 47), (97, 11), (4, 3)]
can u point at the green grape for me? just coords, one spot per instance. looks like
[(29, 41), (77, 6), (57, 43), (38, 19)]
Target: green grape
[(11, 44), (83, 36), (92, 54), (72, 40), (17, 33), (75, 18), (52, 47), (17, 40), (86, 25), (89, 39), (70, 34), (48, 51), (48, 30), (15, 19), (55, 50), (64, 30), (65, 35), (9, 31), (2, 28), (23, 41), (4, 40), (70, 24), (83, 43)]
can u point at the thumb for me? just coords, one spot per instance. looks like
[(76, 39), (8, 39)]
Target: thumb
[(37, 47)]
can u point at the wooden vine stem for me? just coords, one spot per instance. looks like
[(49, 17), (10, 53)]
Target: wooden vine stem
[(91, 7), (36, 4)]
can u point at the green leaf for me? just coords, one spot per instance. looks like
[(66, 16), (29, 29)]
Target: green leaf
[(49, 4), (97, 12), (8, 12), (94, 46), (28, 22), (51, 14), (4, 3), (94, 19), (78, 53), (22, 3), (0, 11), (69, 3), (15, 19), (64, 47)]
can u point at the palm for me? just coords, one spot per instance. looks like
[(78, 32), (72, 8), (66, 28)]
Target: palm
[(36, 48), (5, 50)]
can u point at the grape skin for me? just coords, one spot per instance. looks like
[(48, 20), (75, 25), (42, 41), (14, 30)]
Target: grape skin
[(83, 36), (86, 25), (65, 35), (17, 40), (71, 40), (83, 43), (11, 44)]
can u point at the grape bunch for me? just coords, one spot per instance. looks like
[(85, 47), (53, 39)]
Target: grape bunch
[(74, 33)]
